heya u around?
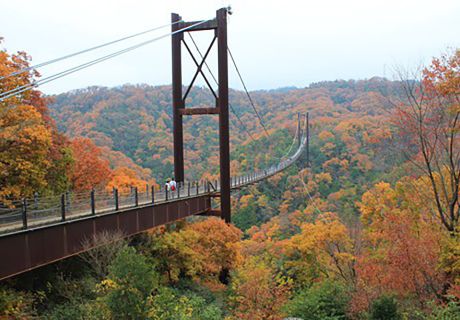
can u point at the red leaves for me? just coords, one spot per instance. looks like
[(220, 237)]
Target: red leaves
[(89, 170)]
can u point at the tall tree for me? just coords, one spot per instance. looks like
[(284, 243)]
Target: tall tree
[(35, 156), (25, 140), (429, 121)]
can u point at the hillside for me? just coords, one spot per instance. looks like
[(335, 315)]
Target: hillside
[(363, 231), (136, 120), (350, 137)]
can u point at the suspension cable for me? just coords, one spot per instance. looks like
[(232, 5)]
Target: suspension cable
[(247, 93), (293, 142), (217, 83), (39, 65), (61, 74)]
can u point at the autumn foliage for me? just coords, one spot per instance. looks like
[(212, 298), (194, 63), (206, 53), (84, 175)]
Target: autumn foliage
[(30, 146), (371, 225), (89, 170)]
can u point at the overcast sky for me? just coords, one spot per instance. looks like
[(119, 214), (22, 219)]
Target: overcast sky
[(275, 43)]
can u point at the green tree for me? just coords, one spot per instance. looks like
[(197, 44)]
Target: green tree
[(385, 308), (15, 305), (131, 281), (324, 301), (169, 305)]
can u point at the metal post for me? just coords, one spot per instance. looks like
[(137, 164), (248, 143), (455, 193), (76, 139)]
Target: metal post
[(308, 138), (153, 193), (299, 128), (24, 213), (178, 190), (63, 207), (67, 197), (177, 101), (136, 197), (93, 204), (188, 191), (225, 204), (166, 193), (36, 200), (197, 187), (115, 196)]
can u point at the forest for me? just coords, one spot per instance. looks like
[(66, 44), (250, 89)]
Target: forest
[(366, 228)]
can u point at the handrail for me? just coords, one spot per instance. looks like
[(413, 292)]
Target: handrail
[(35, 212)]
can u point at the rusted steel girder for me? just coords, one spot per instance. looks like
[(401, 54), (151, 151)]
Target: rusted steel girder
[(28, 249)]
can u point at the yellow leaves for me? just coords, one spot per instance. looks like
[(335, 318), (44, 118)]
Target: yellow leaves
[(262, 201), (244, 200), (318, 234), (24, 145), (376, 202), (105, 286), (201, 250), (323, 177), (450, 256), (258, 291), (324, 247), (328, 148)]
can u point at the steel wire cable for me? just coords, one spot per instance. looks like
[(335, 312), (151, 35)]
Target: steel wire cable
[(71, 55), (61, 74), (217, 83), (247, 93), (292, 144)]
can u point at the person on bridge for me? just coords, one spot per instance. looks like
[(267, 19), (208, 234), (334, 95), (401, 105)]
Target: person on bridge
[(173, 185)]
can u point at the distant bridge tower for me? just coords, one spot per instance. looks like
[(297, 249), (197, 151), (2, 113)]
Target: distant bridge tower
[(219, 25)]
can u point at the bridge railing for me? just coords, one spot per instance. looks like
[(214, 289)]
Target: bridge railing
[(28, 213)]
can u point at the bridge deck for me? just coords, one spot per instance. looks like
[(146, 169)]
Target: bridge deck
[(48, 236)]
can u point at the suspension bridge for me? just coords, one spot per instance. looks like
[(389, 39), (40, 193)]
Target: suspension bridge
[(41, 230)]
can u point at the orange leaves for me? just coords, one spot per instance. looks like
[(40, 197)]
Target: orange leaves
[(323, 177), (428, 126), (24, 145), (363, 162), (244, 200), (89, 170), (402, 249), (328, 148), (325, 135), (31, 150), (259, 291), (444, 74), (201, 250), (123, 179), (216, 244)]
